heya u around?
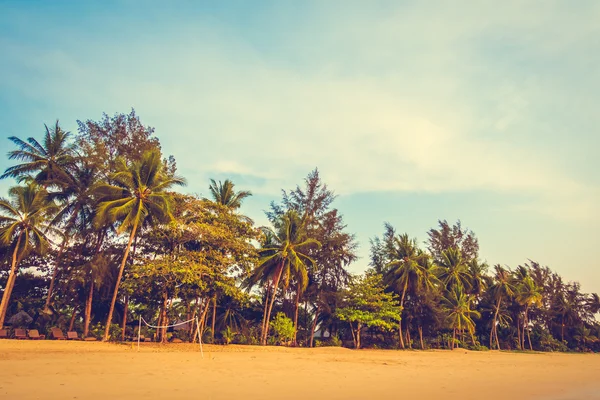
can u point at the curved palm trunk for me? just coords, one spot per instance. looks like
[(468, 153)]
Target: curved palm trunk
[(214, 318), (493, 330), (294, 341), (117, 284), (124, 323), (72, 322), (523, 328), (273, 296), (528, 333), (88, 310), (401, 311), (262, 327), (63, 245), (10, 282)]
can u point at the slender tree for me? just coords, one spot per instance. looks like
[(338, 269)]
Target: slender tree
[(501, 289), (285, 255), (139, 192), (45, 162), (24, 226)]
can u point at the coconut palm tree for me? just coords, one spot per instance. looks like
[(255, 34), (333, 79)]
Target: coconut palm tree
[(45, 162), (284, 255), (453, 270), (225, 194), (410, 268), (139, 193), (584, 335), (460, 315), (528, 295), (24, 226), (502, 288), (75, 197)]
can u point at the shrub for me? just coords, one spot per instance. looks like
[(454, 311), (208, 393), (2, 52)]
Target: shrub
[(283, 328), (227, 335)]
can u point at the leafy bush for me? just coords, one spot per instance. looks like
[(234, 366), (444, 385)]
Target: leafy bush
[(283, 328), (228, 335), (335, 341)]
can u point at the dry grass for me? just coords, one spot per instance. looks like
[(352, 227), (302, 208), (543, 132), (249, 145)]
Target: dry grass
[(78, 370)]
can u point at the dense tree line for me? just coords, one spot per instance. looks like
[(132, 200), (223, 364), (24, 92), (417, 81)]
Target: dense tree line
[(94, 236)]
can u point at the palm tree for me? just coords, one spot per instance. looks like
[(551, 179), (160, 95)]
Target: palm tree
[(76, 199), (409, 268), (224, 193), (501, 288), (460, 315), (24, 225), (138, 194), (47, 161), (528, 295), (584, 335), (283, 255), (454, 271)]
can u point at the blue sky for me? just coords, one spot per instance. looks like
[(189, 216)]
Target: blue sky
[(413, 111)]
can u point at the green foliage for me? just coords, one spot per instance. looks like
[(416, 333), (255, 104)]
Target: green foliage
[(366, 304), (187, 256), (228, 335), (283, 327)]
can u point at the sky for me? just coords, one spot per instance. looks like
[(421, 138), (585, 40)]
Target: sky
[(412, 111)]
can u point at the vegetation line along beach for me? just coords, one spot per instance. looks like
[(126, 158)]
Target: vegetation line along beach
[(99, 239)]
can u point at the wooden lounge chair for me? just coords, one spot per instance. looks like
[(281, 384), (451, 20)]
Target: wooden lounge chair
[(57, 334), (90, 339), (3, 333), (20, 334), (72, 336), (35, 335)]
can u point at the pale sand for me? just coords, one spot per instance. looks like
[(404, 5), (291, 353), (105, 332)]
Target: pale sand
[(77, 370)]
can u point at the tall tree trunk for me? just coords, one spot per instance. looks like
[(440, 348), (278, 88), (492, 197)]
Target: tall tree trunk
[(267, 294), (88, 310), (408, 340), (122, 267), (273, 296), (358, 336), (528, 333), (203, 317), (63, 245), (10, 282), (72, 322), (524, 325), (494, 322), (214, 318), (402, 312), (295, 341), (453, 338), (314, 325), (420, 328), (353, 335), (124, 323), (562, 328)]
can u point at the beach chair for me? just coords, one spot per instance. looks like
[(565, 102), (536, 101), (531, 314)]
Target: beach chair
[(35, 334), (72, 336), (3, 333), (90, 339), (57, 334), (20, 334)]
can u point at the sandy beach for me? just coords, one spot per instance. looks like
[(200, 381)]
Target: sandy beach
[(77, 370)]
